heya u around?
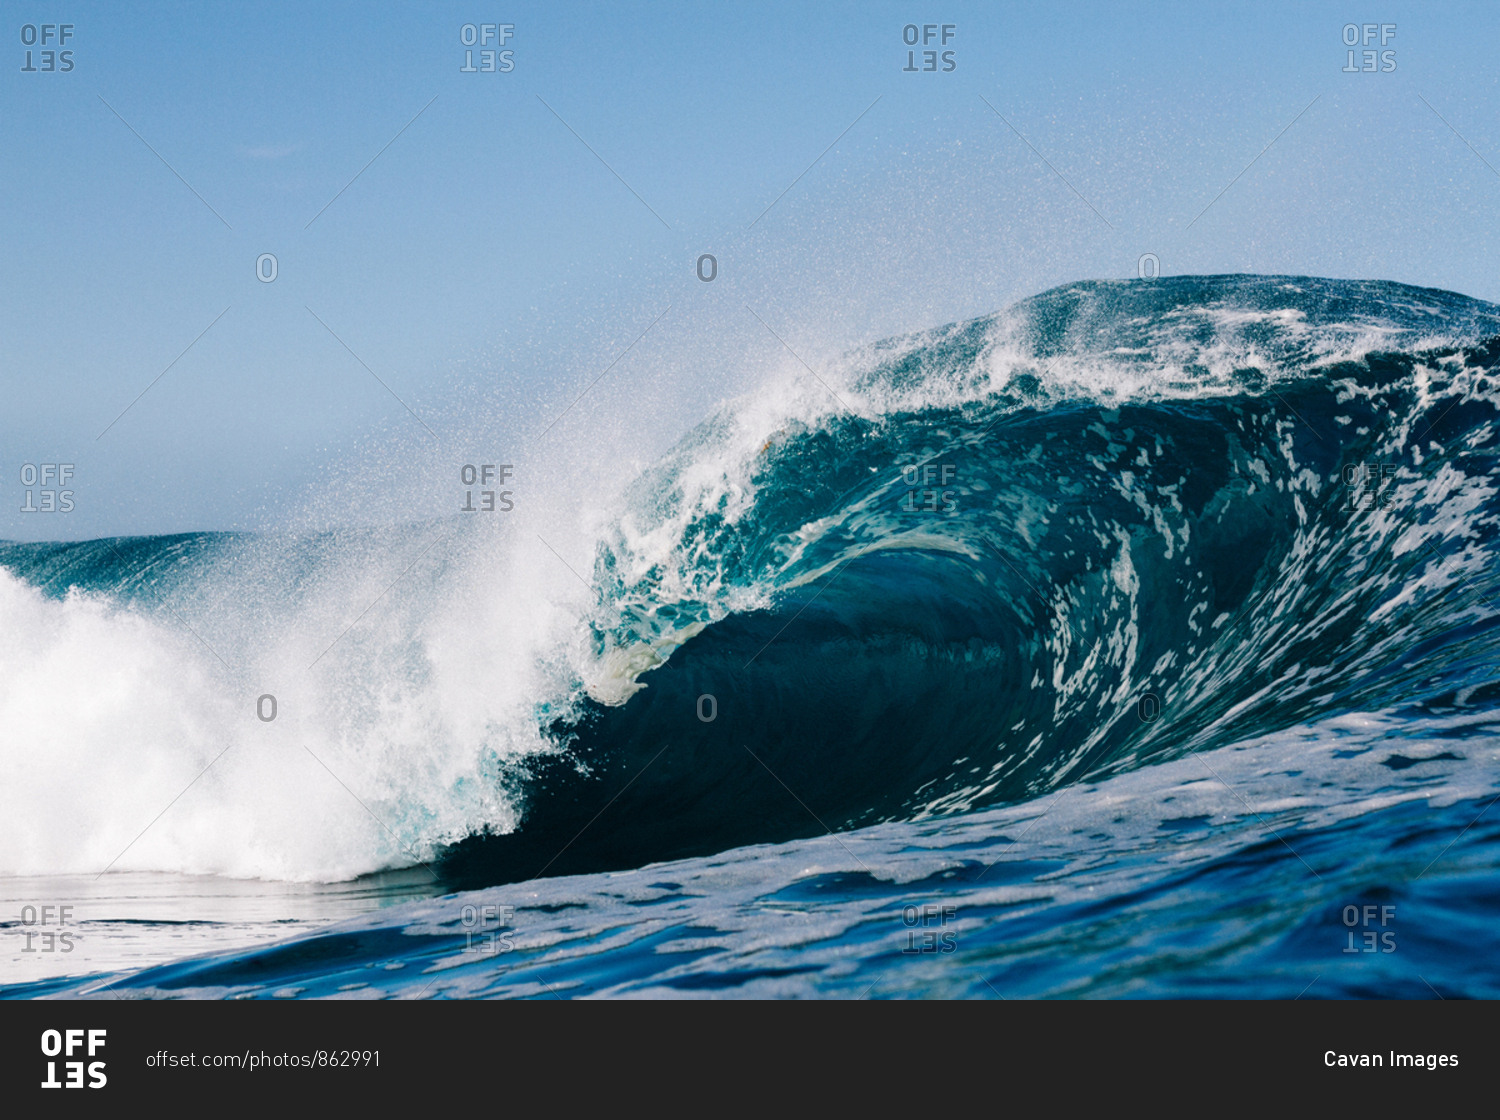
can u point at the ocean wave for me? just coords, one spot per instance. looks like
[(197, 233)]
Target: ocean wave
[(1113, 525)]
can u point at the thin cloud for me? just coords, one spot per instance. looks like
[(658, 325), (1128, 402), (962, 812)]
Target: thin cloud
[(270, 151)]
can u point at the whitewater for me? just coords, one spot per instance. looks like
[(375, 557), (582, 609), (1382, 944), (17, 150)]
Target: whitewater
[(1116, 643)]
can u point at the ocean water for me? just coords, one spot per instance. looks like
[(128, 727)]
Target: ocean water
[(1137, 640)]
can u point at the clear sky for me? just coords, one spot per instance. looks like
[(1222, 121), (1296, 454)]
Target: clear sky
[(488, 243)]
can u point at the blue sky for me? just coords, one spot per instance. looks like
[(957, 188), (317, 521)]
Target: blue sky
[(486, 266)]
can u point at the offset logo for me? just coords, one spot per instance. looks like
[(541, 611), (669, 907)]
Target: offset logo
[(1368, 928), (925, 493), (1371, 37), (1368, 486), (932, 59), (488, 38), (50, 57), (492, 926), (485, 474), (66, 1044), (45, 929), (927, 928), (43, 487)]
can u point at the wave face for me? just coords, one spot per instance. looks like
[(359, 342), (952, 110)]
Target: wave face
[(1117, 524)]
